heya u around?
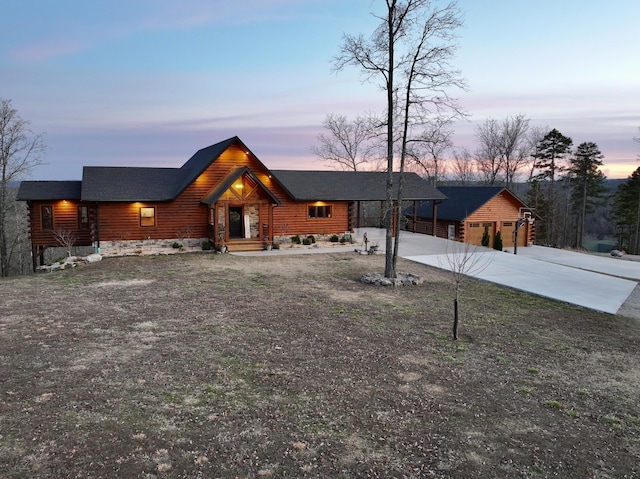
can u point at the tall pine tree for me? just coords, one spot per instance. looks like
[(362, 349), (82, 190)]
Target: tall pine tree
[(626, 212), (548, 164), (586, 183)]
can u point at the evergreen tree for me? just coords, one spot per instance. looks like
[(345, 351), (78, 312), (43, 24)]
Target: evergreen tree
[(586, 184), (486, 238), (548, 162), (537, 201), (497, 242), (626, 212)]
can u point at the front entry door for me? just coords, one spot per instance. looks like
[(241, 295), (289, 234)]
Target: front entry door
[(235, 222)]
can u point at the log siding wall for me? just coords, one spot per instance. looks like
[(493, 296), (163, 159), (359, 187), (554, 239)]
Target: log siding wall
[(293, 219), (498, 214), (65, 218), (502, 208), (186, 217)]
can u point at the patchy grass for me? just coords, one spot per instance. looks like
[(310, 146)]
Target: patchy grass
[(219, 366)]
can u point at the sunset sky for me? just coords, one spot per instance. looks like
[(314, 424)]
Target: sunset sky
[(149, 82)]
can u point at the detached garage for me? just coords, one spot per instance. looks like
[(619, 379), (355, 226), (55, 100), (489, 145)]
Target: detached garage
[(469, 211)]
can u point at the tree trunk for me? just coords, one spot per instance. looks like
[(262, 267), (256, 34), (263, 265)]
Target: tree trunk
[(4, 253), (389, 264), (637, 238), (455, 319), (583, 214)]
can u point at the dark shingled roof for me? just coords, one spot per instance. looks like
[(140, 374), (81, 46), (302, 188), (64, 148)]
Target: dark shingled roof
[(462, 201), (112, 184), (150, 184), (49, 190), (128, 184), (201, 160), (351, 185)]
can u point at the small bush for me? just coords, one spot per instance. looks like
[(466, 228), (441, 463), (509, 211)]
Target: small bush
[(296, 239), (176, 245), (306, 241), (334, 238), (554, 404), (311, 238), (612, 421), (343, 240), (486, 239), (206, 245), (275, 246), (497, 242)]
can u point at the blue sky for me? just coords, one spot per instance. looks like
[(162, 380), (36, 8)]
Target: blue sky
[(149, 82)]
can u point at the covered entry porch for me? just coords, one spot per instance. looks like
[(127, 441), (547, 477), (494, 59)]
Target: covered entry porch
[(241, 226), (240, 212)]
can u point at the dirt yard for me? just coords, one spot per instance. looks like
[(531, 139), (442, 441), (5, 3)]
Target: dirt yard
[(217, 366)]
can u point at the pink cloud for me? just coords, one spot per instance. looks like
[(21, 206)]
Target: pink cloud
[(44, 51)]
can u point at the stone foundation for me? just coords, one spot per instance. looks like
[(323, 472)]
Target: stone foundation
[(150, 247)]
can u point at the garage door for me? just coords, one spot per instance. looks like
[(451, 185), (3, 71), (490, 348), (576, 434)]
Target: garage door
[(476, 230), (507, 232)]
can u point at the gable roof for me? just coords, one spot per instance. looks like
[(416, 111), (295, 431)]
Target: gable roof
[(351, 185), (230, 178), (114, 184), (203, 158), (49, 190), (130, 184), (462, 201)]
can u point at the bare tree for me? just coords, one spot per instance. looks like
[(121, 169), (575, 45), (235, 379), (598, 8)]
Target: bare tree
[(504, 149), (16, 234), (66, 239), (534, 136), (20, 152), (427, 151), (462, 169), (349, 145), (514, 147), (464, 259), (409, 53), (488, 156)]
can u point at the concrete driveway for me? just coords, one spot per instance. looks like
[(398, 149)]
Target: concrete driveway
[(594, 282)]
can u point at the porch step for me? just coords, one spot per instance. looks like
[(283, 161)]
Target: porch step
[(244, 245)]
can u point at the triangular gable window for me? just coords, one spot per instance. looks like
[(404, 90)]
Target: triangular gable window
[(243, 187), (239, 186)]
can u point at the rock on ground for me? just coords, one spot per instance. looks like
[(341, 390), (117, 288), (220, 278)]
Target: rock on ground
[(401, 279)]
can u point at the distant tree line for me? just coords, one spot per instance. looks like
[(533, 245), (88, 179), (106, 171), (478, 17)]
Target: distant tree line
[(565, 186), (20, 152), (626, 213), (16, 232)]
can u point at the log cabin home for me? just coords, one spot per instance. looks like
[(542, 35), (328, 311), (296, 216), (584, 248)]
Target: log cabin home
[(223, 194), (470, 211)]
